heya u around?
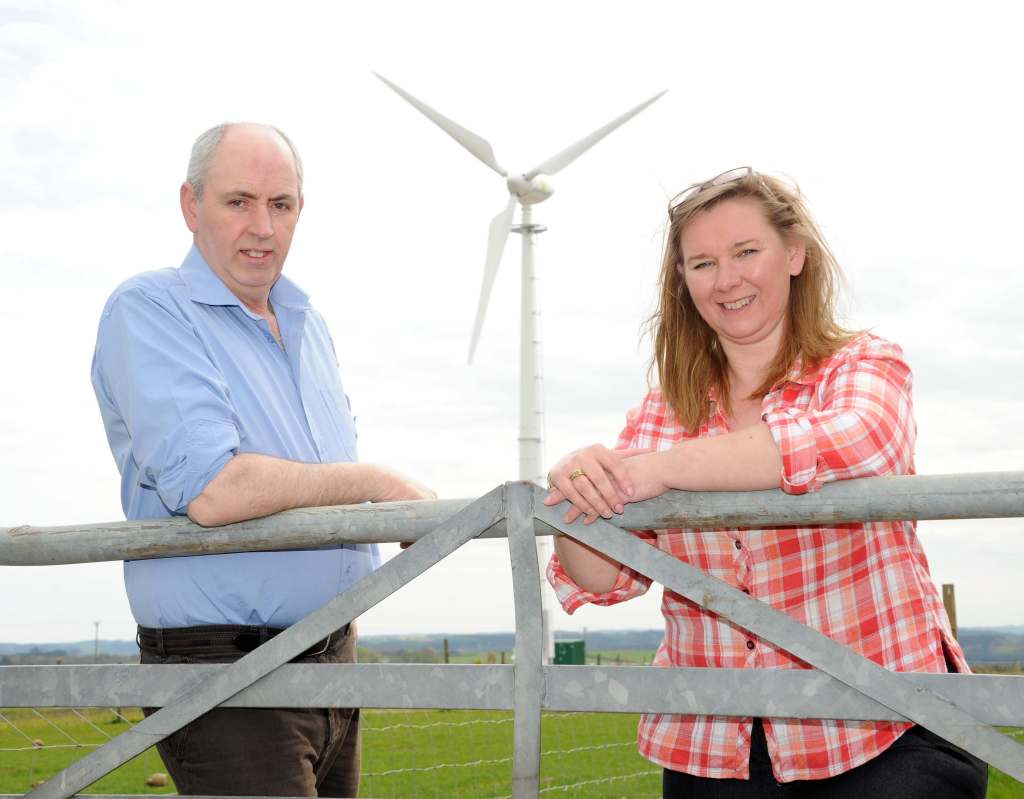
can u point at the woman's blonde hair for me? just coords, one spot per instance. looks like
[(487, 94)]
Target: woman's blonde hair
[(687, 355)]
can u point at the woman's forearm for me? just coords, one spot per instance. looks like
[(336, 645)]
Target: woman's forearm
[(589, 569), (746, 460)]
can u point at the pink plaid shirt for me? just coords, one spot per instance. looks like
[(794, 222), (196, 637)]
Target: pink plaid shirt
[(864, 585)]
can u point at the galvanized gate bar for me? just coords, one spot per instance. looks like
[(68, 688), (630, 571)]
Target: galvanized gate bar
[(956, 496), (930, 709), (789, 693), (383, 685), (302, 528), (529, 672), (359, 598), (528, 688), (777, 693), (985, 495)]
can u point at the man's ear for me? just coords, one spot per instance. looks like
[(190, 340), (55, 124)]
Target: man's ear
[(189, 206)]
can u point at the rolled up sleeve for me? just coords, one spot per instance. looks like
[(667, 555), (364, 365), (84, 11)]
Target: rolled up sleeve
[(157, 384), (628, 584), (859, 424), (188, 458)]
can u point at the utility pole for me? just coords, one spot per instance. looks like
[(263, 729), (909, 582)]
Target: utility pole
[(96, 643)]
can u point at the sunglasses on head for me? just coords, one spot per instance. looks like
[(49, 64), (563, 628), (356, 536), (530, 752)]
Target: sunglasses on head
[(739, 173)]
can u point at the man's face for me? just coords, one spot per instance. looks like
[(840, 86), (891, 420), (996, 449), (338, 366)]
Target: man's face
[(243, 224)]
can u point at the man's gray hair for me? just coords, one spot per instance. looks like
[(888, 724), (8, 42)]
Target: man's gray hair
[(206, 146)]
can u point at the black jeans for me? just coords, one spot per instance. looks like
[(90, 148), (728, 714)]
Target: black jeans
[(920, 765), (261, 751)]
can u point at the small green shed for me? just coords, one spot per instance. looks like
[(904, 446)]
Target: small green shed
[(570, 653)]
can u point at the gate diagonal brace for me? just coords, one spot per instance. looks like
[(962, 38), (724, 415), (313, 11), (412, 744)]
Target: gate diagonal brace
[(922, 706), (360, 597)]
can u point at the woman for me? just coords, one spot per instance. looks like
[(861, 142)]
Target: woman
[(760, 387)]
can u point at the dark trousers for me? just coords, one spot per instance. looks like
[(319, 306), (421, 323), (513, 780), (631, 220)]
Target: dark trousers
[(920, 765), (256, 751)]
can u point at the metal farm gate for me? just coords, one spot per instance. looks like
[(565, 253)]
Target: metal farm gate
[(841, 684)]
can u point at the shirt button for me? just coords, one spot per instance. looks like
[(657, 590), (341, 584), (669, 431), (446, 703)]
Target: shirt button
[(738, 545), (750, 644)]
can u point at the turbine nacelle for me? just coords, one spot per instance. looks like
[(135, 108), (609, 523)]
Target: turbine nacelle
[(527, 191)]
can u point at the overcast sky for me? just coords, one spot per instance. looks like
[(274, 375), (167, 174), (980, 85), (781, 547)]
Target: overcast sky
[(900, 122)]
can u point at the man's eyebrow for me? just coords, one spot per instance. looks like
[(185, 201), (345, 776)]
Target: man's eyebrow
[(248, 195)]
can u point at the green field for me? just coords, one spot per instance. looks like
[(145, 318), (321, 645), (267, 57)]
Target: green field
[(58, 730), (608, 657), (405, 753), (620, 657)]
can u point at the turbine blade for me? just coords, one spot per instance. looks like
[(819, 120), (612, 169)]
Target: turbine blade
[(570, 154), (496, 238), (477, 145)]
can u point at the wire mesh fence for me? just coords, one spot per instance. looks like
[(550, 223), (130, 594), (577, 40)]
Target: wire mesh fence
[(421, 753), (416, 753), (36, 743)]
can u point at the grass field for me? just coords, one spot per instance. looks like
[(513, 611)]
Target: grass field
[(405, 753), (608, 657), (58, 730)]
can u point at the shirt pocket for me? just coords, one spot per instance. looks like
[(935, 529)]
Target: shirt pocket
[(341, 423)]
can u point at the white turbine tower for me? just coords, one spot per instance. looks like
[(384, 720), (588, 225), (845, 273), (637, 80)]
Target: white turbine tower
[(526, 191)]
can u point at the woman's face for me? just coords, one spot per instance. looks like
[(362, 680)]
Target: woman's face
[(737, 269)]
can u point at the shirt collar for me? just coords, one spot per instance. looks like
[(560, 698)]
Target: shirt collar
[(204, 286), (796, 374)]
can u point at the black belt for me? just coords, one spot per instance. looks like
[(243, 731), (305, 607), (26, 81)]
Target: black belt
[(220, 639)]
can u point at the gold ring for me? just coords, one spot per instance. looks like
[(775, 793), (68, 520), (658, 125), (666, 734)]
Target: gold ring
[(577, 473)]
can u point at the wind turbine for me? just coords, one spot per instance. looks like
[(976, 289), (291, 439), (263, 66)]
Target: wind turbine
[(525, 190)]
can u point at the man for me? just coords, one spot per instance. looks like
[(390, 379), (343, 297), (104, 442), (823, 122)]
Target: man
[(220, 394)]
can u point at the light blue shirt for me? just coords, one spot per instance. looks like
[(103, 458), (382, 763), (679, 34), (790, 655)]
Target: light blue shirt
[(187, 377)]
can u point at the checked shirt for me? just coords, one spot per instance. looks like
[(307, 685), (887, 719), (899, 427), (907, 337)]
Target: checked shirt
[(866, 586)]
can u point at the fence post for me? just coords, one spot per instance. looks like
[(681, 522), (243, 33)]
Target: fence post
[(529, 645), (949, 600)]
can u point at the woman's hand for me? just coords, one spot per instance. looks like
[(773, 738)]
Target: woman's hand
[(598, 481)]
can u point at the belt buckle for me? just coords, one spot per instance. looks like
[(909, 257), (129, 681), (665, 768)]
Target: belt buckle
[(246, 641)]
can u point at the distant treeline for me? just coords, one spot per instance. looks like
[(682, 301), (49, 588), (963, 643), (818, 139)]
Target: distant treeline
[(981, 644), (992, 644), (72, 649)]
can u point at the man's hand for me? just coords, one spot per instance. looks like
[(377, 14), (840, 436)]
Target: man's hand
[(399, 488), (396, 487)]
